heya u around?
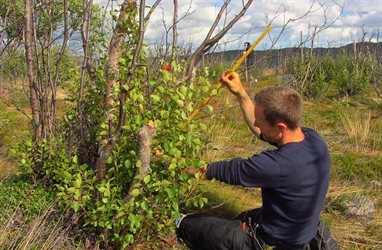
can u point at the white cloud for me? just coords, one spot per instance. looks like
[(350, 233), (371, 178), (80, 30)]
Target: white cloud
[(365, 14)]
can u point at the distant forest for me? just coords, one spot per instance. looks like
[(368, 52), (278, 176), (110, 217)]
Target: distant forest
[(278, 57)]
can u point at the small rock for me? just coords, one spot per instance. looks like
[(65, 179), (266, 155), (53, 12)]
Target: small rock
[(361, 205)]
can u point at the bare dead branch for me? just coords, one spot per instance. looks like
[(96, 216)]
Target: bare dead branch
[(209, 41)]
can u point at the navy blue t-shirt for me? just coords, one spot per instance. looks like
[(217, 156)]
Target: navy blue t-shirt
[(294, 180)]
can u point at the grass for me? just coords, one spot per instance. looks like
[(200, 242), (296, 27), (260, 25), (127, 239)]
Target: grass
[(41, 233), (7, 166), (350, 127), (30, 219), (13, 127), (357, 128)]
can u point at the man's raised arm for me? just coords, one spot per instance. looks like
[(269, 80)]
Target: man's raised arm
[(234, 85)]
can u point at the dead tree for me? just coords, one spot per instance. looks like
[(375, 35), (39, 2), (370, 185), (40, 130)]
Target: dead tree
[(210, 41)]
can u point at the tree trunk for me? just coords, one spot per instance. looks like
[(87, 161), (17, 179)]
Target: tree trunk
[(145, 142), (28, 36), (112, 76)]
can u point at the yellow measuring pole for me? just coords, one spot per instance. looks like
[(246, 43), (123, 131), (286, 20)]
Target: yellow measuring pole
[(234, 68)]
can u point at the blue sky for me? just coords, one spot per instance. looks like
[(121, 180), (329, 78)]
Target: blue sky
[(357, 17)]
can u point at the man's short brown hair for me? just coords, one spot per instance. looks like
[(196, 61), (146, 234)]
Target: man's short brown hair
[(281, 104)]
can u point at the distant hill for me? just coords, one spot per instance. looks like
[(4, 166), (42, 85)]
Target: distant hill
[(275, 57)]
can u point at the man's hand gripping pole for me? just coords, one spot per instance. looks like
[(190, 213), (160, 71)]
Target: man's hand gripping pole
[(234, 68)]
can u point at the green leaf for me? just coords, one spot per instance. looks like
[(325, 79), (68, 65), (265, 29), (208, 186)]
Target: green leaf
[(161, 89), (189, 138), (201, 203), (138, 119), (183, 90), (106, 193), (153, 81), (175, 206), (183, 115), (181, 96), (155, 98), (77, 183), (67, 175), (190, 107), (180, 103), (120, 214), (60, 188), (140, 98), (145, 205), (210, 108), (84, 167), (135, 220), (175, 97), (77, 194), (172, 166), (165, 183), (129, 239), (203, 126), (147, 179), (166, 76), (135, 192), (75, 206), (166, 146), (175, 152), (75, 159), (139, 163), (122, 61), (196, 141), (128, 164), (178, 153), (165, 114), (195, 164), (171, 192)]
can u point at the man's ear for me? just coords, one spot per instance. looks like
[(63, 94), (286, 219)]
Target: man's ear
[(282, 127)]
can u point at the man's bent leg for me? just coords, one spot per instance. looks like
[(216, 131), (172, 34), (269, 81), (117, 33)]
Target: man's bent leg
[(201, 231)]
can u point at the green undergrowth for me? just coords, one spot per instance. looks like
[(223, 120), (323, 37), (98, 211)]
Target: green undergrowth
[(227, 201), (19, 194), (14, 128), (29, 216), (13, 125)]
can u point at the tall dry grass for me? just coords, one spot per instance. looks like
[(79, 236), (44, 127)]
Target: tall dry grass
[(357, 127), (45, 232)]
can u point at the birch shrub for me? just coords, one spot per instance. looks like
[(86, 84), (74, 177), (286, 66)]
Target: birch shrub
[(111, 207)]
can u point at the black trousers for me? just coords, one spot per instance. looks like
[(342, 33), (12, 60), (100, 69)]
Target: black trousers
[(201, 231)]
